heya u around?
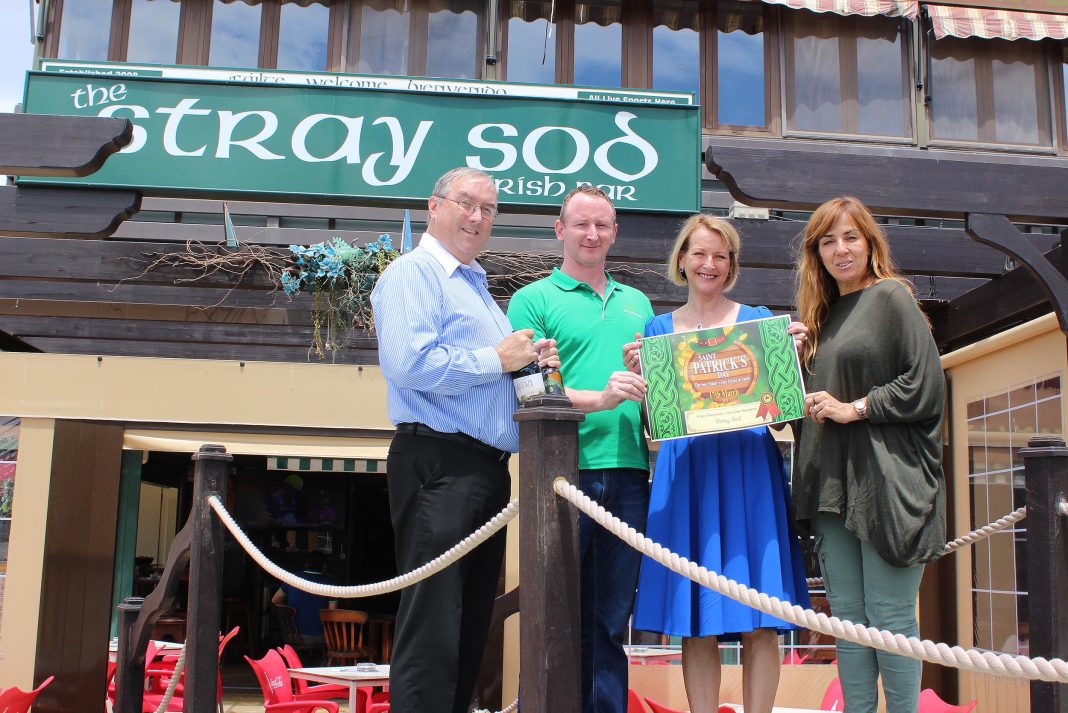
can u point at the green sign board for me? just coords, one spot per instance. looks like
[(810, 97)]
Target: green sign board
[(381, 139), (722, 379)]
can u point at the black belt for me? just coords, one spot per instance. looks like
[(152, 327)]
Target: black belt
[(419, 429)]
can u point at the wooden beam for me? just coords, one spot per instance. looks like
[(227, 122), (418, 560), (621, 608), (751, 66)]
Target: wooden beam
[(1000, 303), (29, 327), (234, 352), (44, 145), (997, 231), (773, 243), (801, 175), (64, 212)]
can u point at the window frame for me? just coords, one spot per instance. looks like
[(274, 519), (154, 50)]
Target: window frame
[(849, 86), (984, 99)]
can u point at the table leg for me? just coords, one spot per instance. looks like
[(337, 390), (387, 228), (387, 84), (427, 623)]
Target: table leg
[(352, 696)]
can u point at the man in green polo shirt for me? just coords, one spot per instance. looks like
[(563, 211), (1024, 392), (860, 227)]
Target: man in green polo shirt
[(591, 317)]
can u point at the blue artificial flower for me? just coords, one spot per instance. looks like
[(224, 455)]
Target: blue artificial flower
[(290, 284)]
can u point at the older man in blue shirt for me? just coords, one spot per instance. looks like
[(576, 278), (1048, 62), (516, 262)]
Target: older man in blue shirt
[(446, 350)]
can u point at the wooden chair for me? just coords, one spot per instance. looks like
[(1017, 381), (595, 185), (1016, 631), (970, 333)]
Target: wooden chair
[(343, 632), (291, 636)]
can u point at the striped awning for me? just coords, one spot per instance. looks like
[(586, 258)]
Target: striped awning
[(888, 8), (949, 21)]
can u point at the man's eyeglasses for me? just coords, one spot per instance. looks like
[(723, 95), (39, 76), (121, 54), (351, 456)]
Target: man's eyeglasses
[(488, 211)]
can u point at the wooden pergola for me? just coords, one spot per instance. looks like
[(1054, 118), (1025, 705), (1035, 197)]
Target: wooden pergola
[(66, 287)]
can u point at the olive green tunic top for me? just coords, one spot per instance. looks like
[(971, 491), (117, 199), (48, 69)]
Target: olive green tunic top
[(883, 475)]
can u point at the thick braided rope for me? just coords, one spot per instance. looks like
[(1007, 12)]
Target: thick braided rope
[(476, 538), (1054, 670), (507, 709), (173, 684), (971, 538)]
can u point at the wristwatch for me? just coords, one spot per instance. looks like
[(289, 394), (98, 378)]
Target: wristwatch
[(861, 407)]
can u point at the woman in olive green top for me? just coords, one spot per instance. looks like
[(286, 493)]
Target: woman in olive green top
[(869, 479)]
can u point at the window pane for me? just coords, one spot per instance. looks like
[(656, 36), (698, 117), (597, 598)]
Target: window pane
[(9, 449), (881, 99), (531, 43), (816, 74), (452, 39), (384, 37), (598, 43), (1018, 100), (740, 64), (302, 37), (85, 29), (154, 31), (235, 35), (676, 45), (954, 107)]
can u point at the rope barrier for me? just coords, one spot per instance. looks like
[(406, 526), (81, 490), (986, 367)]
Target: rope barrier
[(507, 709), (971, 538), (172, 685), (1053, 670), (476, 538)]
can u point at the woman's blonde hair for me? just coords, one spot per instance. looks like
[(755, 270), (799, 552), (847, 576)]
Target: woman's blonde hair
[(682, 244), (816, 289)]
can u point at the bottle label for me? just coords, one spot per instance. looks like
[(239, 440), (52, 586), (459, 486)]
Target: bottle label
[(554, 383), (529, 386)]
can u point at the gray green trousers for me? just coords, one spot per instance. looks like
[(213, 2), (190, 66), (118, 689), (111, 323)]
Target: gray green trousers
[(864, 589)]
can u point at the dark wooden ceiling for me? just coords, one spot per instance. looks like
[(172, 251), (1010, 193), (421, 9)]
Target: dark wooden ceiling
[(63, 293)]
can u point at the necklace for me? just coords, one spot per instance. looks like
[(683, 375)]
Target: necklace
[(701, 320)]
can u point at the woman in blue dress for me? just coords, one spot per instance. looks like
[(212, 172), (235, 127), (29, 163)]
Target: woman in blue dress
[(719, 500)]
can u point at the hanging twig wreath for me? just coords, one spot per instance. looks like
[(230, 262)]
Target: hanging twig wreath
[(338, 275)]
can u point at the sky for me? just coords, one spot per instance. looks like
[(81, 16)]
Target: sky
[(16, 51)]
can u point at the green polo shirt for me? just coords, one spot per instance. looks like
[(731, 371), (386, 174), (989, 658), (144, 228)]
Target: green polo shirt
[(590, 333)]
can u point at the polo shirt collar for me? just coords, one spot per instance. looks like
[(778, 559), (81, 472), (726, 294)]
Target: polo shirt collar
[(448, 261), (565, 282)]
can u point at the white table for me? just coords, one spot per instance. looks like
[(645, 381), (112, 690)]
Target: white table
[(642, 655), (162, 647), (346, 676)]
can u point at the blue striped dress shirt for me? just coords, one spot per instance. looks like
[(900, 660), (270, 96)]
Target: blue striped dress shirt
[(437, 327)]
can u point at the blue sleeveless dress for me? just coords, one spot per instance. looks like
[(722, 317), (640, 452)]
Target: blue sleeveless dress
[(723, 501)]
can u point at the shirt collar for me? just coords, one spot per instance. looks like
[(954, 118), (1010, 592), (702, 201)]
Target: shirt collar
[(448, 261), (565, 282)]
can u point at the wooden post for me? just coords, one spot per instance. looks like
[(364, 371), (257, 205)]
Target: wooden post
[(130, 667), (550, 647), (1046, 480), (205, 580)]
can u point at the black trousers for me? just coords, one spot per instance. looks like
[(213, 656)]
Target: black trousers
[(440, 492)]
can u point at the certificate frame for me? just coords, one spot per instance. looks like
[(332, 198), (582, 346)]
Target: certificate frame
[(721, 379)]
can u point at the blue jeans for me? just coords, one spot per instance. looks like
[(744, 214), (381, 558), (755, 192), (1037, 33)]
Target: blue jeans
[(864, 589), (609, 577)]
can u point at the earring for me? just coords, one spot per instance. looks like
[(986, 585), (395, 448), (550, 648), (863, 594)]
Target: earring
[(682, 273)]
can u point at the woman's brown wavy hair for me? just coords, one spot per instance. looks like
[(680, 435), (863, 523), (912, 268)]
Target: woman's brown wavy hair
[(816, 289)]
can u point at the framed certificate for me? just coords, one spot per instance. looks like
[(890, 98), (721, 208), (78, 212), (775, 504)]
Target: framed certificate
[(721, 379)]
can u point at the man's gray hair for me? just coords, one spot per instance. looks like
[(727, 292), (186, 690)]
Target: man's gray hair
[(462, 173)]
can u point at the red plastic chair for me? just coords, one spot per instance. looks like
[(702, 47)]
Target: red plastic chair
[(634, 702), (792, 659), (930, 702), (277, 687), (305, 689), (158, 675), (15, 700), (832, 697), (659, 707)]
